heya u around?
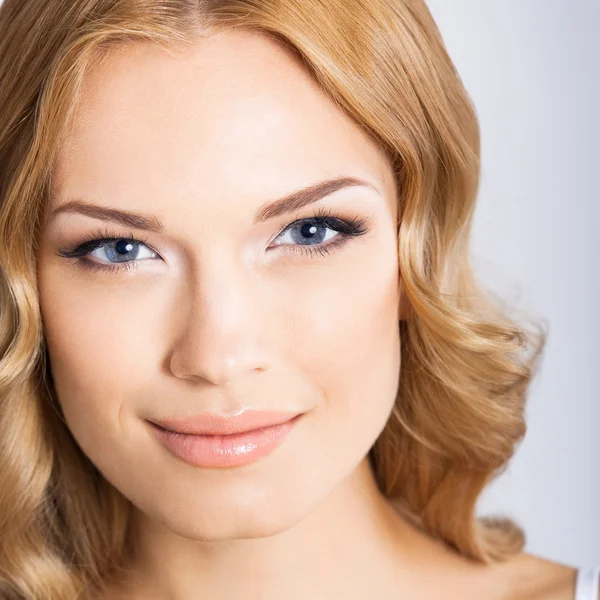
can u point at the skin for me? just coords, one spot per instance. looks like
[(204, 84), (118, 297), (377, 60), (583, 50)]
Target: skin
[(228, 316)]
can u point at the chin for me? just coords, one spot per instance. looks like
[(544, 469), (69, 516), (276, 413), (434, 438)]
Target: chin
[(230, 522)]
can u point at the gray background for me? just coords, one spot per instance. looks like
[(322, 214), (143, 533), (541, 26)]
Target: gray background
[(532, 70)]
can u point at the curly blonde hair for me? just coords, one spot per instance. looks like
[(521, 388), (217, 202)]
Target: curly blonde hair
[(466, 365)]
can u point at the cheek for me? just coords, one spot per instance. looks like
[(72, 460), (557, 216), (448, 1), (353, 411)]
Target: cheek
[(95, 343), (345, 338)]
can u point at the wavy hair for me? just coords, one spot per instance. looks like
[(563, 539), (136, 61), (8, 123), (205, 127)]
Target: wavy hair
[(466, 364)]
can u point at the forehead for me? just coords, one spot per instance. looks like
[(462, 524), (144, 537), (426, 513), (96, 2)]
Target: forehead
[(234, 115)]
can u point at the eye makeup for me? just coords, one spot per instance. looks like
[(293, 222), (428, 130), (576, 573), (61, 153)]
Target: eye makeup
[(346, 228)]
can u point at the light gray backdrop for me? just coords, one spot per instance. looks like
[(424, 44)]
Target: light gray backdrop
[(532, 68)]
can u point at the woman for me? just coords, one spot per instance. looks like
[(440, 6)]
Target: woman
[(200, 396)]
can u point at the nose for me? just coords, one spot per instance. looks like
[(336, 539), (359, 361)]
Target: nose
[(221, 332)]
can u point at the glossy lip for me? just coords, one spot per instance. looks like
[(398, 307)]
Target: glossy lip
[(215, 424), (225, 450)]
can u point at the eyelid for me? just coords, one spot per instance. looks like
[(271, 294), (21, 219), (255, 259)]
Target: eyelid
[(98, 238), (327, 215), (346, 226)]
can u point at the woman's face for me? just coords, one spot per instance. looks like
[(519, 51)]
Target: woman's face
[(217, 311)]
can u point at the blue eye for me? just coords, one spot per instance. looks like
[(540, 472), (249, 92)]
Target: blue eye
[(307, 236), (104, 243), (309, 231), (122, 250)]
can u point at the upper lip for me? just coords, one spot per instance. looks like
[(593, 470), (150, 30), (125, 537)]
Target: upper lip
[(215, 424)]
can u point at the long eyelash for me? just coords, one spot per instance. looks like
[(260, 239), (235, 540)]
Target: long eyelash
[(347, 227), (95, 239)]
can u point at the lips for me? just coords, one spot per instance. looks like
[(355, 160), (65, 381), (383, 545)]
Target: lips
[(223, 425), (227, 450)]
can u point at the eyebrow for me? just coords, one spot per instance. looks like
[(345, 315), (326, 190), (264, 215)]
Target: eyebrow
[(289, 203)]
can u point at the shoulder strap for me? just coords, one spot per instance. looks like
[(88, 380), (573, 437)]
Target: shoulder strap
[(588, 581)]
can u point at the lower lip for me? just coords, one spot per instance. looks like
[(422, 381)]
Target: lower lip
[(225, 450)]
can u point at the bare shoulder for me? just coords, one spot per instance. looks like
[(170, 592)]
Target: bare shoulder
[(530, 577)]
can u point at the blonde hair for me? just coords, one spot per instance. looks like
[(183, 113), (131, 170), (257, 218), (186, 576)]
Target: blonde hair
[(466, 365)]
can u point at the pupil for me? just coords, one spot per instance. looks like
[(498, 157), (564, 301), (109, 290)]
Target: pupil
[(123, 246), (308, 229)]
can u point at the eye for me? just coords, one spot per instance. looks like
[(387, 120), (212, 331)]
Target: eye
[(122, 250), (309, 236), (110, 252), (308, 232)]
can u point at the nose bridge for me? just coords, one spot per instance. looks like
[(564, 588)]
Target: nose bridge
[(219, 328)]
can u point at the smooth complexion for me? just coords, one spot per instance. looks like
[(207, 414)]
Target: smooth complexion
[(215, 310)]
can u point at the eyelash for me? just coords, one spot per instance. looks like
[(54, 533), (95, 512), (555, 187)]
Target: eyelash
[(347, 228)]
